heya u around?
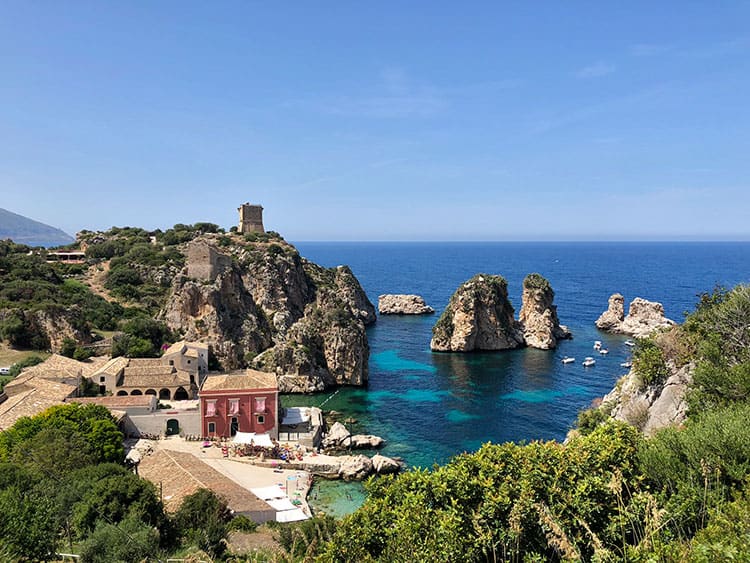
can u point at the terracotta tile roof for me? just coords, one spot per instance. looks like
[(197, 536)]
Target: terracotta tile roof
[(185, 347), (181, 474), (32, 397), (60, 367), (250, 379), (114, 401), (112, 367), (166, 377)]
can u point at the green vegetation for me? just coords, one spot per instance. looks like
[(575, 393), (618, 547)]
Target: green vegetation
[(649, 362), (63, 487), (536, 281)]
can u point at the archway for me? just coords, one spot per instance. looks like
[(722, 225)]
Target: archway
[(136, 392), (122, 393), (173, 427), (165, 394), (180, 394), (150, 392)]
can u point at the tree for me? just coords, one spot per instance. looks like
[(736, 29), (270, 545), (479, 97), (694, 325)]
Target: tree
[(127, 541), (202, 519)]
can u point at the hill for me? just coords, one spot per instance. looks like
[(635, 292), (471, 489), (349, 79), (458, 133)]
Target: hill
[(23, 230)]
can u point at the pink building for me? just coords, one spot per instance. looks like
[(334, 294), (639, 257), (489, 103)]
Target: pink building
[(241, 402)]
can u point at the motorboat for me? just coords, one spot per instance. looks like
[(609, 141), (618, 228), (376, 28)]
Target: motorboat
[(597, 344), (629, 343), (604, 351), (626, 364), (588, 362), (567, 360)]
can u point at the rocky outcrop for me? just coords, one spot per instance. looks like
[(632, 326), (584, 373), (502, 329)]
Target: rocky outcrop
[(652, 407), (538, 316), (383, 465), (339, 437), (400, 304), (355, 468), (49, 327), (643, 318), (260, 304), (479, 316)]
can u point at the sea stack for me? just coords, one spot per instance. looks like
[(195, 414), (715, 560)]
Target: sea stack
[(538, 316), (643, 318), (399, 304), (479, 316)]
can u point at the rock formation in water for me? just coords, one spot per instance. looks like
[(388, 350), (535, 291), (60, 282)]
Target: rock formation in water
[(261, 304), (399, 304), (538, 315), (479, 316), (643, 318)]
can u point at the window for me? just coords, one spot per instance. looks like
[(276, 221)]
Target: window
[(261, 419), (234, 406), (260, 404), (210, 408), (171, 362), (188, 361), (102, 379), (211, 427)]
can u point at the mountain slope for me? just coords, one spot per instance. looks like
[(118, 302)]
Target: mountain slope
[(23, 230)]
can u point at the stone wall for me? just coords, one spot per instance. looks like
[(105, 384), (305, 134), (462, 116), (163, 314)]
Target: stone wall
[(156, 423), (204, 262)]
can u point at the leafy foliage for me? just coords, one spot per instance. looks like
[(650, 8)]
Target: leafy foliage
[(649, 362), (203, 518)]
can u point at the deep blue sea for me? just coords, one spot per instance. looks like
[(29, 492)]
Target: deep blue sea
[(430, 406)]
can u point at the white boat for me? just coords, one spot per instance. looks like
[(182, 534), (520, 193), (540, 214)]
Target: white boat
[(588, 362), (597, 344), (567, 360), (626, 364), (604, 351), (629, 343)]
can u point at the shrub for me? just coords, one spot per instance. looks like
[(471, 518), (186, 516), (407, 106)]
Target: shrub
[(649, 363)]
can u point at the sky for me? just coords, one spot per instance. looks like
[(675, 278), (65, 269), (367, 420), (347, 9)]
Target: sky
[(381, 120)]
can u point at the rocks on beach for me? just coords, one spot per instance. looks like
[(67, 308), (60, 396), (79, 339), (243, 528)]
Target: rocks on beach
[(401, 304), (643, 318), (339, 437)]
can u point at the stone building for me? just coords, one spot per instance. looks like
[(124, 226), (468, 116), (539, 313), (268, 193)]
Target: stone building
[(240, 402), (251, 218), (175, 376), (205, 262)]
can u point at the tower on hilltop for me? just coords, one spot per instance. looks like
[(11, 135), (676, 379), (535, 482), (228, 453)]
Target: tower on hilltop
[(251, 218)]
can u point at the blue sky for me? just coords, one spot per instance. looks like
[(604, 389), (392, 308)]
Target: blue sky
[(381, 120)]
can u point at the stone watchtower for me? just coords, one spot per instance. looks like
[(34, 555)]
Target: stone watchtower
[(251, 218)]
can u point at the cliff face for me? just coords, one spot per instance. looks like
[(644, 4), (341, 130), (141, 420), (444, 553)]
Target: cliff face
[(479, 316), (653, 407), (261, 304), (538, 315), (644, 317)]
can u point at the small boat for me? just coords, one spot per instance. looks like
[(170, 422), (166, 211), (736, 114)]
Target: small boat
[(567, 360), (626, 364), (597, 344), (629, 343), (588, 362), (604, 351)]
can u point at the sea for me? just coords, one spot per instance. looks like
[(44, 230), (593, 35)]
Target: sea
[(430, 406)]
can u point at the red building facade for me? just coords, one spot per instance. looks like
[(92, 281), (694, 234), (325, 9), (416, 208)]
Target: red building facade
[(244, 402)]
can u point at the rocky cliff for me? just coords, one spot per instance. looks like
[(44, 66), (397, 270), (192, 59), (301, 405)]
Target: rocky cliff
[(399, 304), (479, 316), (538, 315), (643, 318), (261, 304)]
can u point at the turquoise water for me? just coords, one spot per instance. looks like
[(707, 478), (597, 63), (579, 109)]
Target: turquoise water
[(430, 406)]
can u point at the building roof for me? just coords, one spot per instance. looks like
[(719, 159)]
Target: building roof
[(30, 397), (61, 367), (113, 401), (249, 379), (112, 367), (180, 474), (157, 376), (188, 348)]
